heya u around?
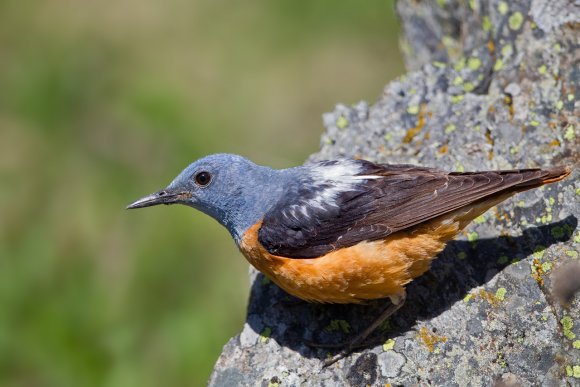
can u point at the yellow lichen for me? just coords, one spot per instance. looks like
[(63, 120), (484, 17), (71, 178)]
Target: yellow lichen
[(389, 345), (538, 271), (412, 132), (489, 297), (430, 339)]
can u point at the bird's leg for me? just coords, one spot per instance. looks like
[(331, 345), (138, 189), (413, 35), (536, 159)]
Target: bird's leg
[(396, 303)]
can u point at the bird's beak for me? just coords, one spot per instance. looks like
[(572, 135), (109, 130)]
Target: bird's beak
[(162, 197)]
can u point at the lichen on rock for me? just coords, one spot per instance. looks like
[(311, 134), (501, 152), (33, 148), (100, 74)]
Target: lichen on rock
[(492, 85)]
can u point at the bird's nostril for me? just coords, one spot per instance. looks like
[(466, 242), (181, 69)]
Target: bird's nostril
[(162, 193)]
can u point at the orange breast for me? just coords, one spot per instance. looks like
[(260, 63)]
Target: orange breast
[(368, 270)]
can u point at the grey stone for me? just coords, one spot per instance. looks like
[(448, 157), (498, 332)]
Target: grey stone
[(391, 363), (492, 85)]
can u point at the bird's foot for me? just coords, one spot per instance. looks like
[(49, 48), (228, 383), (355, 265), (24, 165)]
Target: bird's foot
[(333, 359), (359, 340)]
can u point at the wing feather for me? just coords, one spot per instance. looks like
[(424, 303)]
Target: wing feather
[(391, 199)]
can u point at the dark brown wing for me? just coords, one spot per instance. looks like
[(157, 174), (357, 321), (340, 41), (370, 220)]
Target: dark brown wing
[(402, 197)]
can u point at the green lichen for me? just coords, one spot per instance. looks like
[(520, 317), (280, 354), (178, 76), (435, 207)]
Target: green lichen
[(441, 3), (459, 167), (500, 293), (573, 371), (570, 97), (448, 41), (502, 260), (546, 266), (486, 24), (542, 69), (569, 134), (468, 87), (265, 335), (498, 65), (467, 297), (507, 50), (388, 137), (472, 236), (472, 4), (577, 191), (559, 105), (572, 254), (389, 345), (460, 65), (273, 384), (474, 63), (514, 149), (576, 344), (440, 65), (516, 20), (500, 360), (551, 200), (341, 122), (457, 98), (567, 325), (539, 251), (534, 123), (336, 325), (577, 238), (414, 109), (557, 232), (450, 128), (480, 219), (503, 7), (457, 81)]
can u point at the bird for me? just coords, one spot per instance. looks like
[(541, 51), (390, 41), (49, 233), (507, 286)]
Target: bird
[(343, 231)]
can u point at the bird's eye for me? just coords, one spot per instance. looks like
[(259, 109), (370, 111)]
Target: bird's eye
[(203, 178)]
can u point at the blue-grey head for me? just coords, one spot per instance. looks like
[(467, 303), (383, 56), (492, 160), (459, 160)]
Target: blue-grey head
[(229, 188)]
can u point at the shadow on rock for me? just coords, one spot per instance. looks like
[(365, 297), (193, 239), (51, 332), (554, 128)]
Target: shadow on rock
[(462, 266)]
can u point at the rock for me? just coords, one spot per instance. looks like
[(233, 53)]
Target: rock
[(493, 85)]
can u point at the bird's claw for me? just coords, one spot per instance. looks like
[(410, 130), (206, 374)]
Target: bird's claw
[(331, 360)]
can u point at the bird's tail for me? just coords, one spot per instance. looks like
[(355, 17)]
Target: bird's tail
[(533, 178), (516, 180)]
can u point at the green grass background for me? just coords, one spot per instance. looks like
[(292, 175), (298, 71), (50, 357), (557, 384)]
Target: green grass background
[(104, 101)]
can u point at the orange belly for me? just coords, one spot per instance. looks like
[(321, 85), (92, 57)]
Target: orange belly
[(366, 271)]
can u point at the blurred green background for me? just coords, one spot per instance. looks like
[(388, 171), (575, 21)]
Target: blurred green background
[(102, 102)]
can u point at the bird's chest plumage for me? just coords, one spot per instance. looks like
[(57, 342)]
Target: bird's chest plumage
[(365, 271)]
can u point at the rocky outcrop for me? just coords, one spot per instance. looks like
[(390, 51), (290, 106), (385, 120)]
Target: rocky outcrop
[(492, 85)]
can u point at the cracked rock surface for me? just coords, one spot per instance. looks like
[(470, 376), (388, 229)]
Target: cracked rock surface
[(492, 85)]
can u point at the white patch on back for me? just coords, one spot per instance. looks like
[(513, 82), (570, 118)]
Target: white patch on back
[(329, 181), (342, 176)]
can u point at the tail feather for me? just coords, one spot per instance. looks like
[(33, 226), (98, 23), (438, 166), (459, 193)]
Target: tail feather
[(538, 177), (517, 180)]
